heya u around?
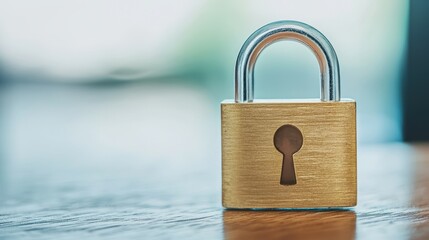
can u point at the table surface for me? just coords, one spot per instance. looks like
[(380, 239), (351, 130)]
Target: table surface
[(71, 199)]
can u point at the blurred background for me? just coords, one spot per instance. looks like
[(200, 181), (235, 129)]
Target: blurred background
[(95, 83), (110, 110)]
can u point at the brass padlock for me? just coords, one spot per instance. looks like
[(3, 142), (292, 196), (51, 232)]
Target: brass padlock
[(288, 153)]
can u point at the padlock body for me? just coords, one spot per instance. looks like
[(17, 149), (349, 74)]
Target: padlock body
[(325, 166)]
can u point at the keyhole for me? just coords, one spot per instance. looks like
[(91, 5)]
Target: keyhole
[(288, 140)]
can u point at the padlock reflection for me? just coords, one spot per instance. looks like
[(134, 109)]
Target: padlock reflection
[(289, 225)]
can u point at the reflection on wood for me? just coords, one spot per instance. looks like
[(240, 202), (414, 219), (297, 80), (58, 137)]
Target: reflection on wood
[(289, 224), (421, 193)]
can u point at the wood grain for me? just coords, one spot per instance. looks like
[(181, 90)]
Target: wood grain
[(114, 200), (325, 166)]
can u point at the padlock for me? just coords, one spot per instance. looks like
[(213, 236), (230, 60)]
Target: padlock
[(288, 153)]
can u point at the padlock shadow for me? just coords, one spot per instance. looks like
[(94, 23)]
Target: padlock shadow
[(301, 224)]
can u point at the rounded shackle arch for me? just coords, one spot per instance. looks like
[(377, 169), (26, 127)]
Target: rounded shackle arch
[(287, 30)]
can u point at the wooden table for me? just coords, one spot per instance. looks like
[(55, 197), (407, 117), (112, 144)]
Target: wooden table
[(114, 199)]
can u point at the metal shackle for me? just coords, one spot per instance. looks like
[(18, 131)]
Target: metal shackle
[(287, 30)]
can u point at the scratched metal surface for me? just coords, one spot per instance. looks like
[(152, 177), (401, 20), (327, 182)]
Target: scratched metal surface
[(116, 196)]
